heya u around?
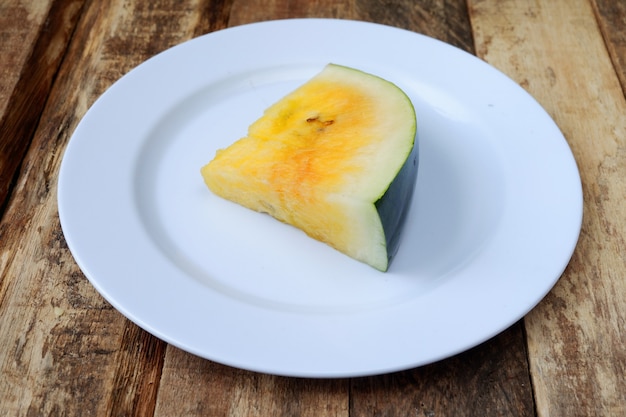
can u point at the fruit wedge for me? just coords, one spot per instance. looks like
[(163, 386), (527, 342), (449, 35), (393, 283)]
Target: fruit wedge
[(336, 158)]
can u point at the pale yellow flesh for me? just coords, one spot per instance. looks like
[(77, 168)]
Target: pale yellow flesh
[(320, 158)]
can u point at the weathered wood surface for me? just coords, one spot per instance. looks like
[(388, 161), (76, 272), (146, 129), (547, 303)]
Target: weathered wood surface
[(35, 35), (65, 351), (611, 16)]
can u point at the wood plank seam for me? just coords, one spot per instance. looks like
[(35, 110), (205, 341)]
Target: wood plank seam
[(30, 95), (616, 47)]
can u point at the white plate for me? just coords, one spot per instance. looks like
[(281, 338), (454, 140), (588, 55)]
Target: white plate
[(495, 220)]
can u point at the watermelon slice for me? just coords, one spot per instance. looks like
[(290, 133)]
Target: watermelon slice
[(336, 158)]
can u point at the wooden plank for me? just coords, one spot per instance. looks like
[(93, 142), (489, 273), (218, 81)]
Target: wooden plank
[(210, 389), (576, 336), (475, 379), (263, 10), (64, 350), (489, 380), (195, 387), (18, 41), (611, 17), (34, 35), (446, 20)]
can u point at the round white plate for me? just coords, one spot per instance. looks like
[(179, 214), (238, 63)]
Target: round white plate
[(496, 215)]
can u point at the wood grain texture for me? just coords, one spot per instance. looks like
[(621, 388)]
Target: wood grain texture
[(611, 16), (245, 12), (192, 386), (34, 38), (489, 380), (577, 335), (21, 23), (446, 20)]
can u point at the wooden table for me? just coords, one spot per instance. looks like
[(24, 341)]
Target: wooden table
[(66, 351)]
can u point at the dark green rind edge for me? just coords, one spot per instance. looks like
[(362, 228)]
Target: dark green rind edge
[(395, 204)]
